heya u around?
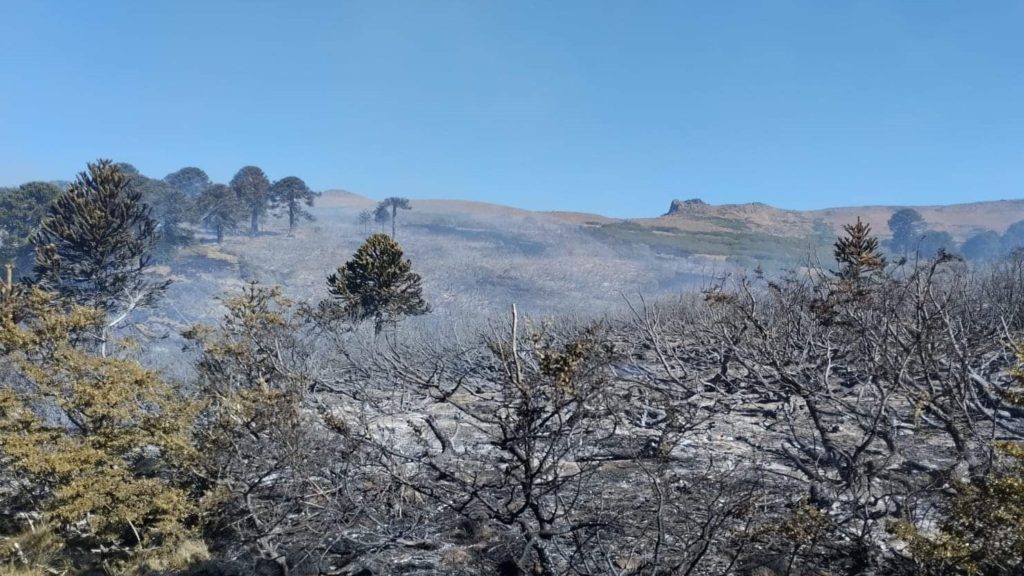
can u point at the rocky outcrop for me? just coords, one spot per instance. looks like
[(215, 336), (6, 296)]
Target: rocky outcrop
[(678, 206)]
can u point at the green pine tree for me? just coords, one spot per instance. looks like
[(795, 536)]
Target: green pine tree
[(378, 283), (219, 209), (93, 247), (290, 195), (253, 189), (171, 209)]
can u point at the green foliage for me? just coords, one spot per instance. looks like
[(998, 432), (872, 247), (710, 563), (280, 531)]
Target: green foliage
[(378, 283), (243, 352), (101, 444), (289, 195), (982, 527), (190, 181), (21, 211), (94, 245), (219, 209), (256, 438), (252, 187), (983, 531), (747, 248)]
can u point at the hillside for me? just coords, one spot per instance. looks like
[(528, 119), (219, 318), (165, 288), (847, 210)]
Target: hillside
[(403, 405), (480, 257), (698, 216), (759, 234)]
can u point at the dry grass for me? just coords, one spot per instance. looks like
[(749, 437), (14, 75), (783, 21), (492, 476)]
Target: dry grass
[(185, 554), (456, 558), (211, 252), (474, 265), (960, 220), (478, 258), (34, 551), (22, 571), (345, 199)]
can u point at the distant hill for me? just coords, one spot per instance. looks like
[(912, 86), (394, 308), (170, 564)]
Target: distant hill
[(960, 220), (344, 199), (478, 258), (743, 234), (698, 216)]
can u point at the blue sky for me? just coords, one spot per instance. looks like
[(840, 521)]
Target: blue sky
[(600, 106)]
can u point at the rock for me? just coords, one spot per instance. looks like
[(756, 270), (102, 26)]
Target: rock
[(678, 206)]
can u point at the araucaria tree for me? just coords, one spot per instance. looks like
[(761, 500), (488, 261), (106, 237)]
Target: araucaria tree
[(290, 195), (906, 225), (381, 216), (252, 187), (170, 207), (93, 247), (857, 252), (378, 283), (190, 181), (392, 204), (219, 210), (364, 219)]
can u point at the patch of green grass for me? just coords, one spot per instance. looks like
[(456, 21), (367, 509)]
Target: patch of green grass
[(727, 223), (740, 246), (668, 229)]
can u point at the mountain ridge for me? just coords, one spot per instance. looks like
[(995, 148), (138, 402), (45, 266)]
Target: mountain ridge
[(696, 215)]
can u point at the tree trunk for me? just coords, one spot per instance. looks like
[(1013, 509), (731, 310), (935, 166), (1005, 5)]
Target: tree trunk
[(254, 224), (291, 218), (220, 234), (394, 216)]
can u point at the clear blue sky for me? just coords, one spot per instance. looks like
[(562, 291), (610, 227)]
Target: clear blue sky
[(604, 106)]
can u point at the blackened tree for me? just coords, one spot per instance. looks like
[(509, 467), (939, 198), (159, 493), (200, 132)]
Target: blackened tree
[(252, 187), (291, 196), (378, 283)]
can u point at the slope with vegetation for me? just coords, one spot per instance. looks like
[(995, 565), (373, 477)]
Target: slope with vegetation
[(859, 416)]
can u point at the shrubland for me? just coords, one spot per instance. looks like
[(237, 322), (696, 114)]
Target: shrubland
[(861, 416)]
